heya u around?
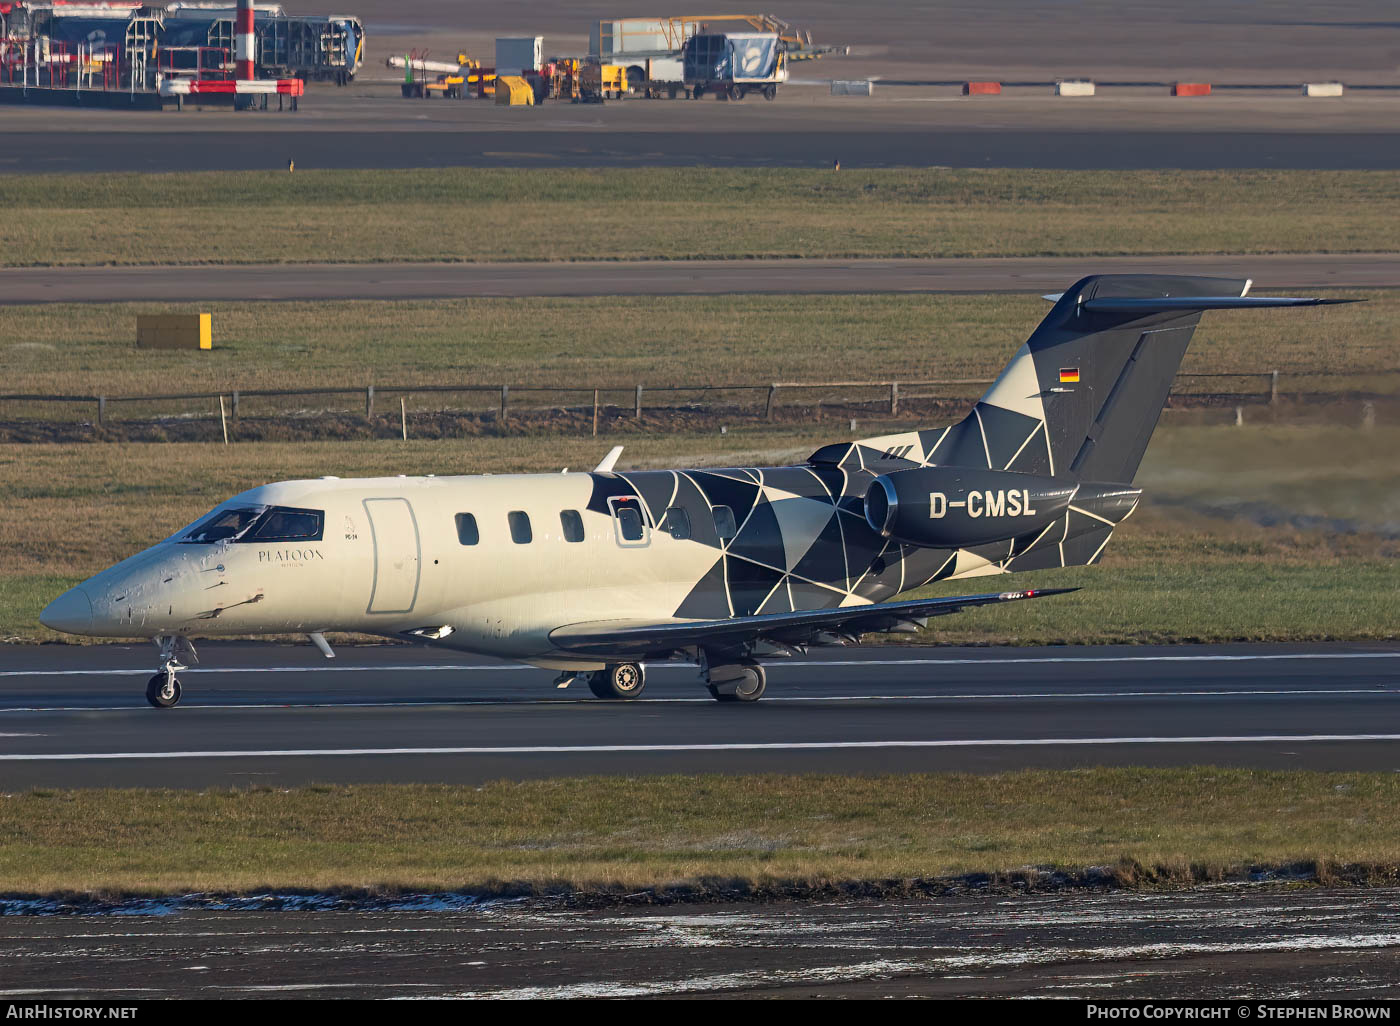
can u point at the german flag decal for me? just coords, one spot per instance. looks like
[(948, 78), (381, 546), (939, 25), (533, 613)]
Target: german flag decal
[(1069, 375)]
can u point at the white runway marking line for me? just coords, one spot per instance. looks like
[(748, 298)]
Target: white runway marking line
[(451, 703), (755, 746), (809, 663)]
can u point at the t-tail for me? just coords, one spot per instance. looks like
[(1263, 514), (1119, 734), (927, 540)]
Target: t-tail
[(1070, 417)]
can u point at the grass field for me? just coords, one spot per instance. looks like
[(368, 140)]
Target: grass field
[(619, 834), (474, 215), (1217, 553), (82, 349)]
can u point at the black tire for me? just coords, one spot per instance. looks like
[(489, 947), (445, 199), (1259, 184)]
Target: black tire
[(697, 92), (163, 691), (621, 681), (770, 92), (672, 90), (736, 92), (750, 687)]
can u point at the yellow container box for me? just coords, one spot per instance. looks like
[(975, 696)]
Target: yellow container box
[(514, 91), (174, 331)]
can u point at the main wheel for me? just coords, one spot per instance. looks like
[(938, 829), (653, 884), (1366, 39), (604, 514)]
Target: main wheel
[(163, 690), (621, 680), (748, 688), (770, 92)]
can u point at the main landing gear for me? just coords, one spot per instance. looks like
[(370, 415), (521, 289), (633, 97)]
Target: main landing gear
[(163, 689), (739, 681), (618, 681), (729, 679)]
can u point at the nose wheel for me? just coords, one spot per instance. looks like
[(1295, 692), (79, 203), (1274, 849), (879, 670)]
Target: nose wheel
[(163, 690)]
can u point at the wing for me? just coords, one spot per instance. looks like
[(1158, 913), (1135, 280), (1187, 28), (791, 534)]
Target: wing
[(784, 631)]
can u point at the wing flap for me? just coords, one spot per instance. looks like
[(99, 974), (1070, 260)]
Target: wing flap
[(807, 626)]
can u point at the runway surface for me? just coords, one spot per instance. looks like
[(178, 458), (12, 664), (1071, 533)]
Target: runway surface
[(1216, 943), (281, 714), (97, 151), (654, 278)]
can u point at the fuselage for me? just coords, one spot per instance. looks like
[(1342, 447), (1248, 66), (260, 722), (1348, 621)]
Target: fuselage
[(493, 564)]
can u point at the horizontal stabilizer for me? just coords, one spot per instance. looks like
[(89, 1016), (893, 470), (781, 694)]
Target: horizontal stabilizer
[(1165, 304)]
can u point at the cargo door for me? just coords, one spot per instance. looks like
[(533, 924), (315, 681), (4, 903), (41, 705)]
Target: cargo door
[(394, 586)]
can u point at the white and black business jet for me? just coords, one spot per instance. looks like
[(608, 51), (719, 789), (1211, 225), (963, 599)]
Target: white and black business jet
[(597, 574)]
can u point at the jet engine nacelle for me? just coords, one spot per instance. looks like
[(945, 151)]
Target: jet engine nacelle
[(953, 507)]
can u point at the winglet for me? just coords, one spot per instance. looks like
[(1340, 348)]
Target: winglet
[(609, 461)]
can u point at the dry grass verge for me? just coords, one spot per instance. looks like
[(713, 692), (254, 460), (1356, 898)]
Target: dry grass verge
[(473, 214), (665, 340), (698, 835)]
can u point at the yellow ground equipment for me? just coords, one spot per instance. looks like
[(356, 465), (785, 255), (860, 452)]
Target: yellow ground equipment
[(598, 82), (425, 78), (558, 79), (514, 91)]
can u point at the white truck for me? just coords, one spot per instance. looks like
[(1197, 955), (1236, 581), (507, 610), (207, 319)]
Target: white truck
[(650, 50), (735, 63)]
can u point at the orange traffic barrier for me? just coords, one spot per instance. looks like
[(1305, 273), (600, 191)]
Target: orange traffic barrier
[(981, 89), (1191, 89)]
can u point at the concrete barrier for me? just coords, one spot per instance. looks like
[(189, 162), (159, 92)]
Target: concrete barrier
[(1190, 88), (1322, 89), (866, 88), (1074, 87), (981, 89)]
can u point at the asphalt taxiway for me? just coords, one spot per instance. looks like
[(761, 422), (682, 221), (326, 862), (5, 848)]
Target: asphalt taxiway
[(101, 152), (281, 714), (403, 281)]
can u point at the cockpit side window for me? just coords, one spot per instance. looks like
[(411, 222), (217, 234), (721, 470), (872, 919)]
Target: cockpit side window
[(223, 524), (284, 524)]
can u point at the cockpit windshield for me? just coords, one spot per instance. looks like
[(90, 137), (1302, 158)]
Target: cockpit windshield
[(256, 524), (224, 524)]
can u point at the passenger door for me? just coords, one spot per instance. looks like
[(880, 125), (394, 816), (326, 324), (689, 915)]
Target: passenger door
[(397, 553)]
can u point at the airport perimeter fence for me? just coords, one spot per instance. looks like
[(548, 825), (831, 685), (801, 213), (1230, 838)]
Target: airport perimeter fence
[(475, 409), (585, 406)]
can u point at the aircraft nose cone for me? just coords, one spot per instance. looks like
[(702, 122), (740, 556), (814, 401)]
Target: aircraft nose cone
[(71, 612)]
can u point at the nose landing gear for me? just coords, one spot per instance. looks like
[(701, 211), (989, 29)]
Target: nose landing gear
[(163, 689)]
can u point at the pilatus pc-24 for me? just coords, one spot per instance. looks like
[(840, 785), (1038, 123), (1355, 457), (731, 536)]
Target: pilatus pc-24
[(597, 574)]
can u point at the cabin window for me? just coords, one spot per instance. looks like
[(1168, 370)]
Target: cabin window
[(724, 523), (629, 522), (279, 524), (572, 524), (467, 531), (677, 523), (520, 532)]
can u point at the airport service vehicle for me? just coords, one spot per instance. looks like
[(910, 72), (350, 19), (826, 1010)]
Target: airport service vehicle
[(597, 574), (735, 63)]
